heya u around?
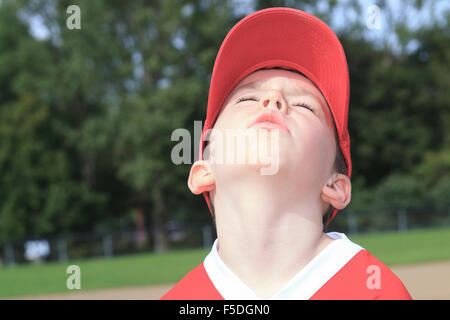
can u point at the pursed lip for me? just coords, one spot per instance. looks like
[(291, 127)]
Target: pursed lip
[(272, 117)]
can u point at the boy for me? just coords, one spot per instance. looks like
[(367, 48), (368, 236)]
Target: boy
[(282, 72)]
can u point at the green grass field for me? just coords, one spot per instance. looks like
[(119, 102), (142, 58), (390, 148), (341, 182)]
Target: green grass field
[(146, 269)]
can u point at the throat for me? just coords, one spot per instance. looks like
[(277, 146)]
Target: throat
[(269, 267)]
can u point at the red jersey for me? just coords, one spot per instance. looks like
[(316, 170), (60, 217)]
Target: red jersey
[(342, 270)]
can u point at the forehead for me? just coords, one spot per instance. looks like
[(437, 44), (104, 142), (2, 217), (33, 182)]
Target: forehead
[(291, 83)]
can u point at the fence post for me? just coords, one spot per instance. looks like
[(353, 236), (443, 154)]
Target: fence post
[(9, 254), (402, 220), (107, 246), (62, 250), (352, 223), (207, 236)]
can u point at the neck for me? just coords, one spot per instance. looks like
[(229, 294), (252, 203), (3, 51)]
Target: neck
[(265, 239)]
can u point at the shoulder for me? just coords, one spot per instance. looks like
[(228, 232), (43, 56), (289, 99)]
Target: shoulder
[(364, 277), (195, 285)]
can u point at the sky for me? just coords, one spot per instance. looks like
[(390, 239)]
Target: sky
[(374, 18)]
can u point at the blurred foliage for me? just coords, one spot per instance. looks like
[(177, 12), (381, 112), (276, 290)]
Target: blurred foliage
[(86, 115)]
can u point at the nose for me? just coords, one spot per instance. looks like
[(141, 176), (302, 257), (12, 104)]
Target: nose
[(274, 100)]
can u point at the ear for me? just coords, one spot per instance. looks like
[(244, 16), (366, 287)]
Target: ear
[(201, 178), (337, 192)]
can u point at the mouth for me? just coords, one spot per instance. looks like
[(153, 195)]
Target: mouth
[(270, 120)]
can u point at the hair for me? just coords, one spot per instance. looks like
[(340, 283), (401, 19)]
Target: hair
[(339, 165)]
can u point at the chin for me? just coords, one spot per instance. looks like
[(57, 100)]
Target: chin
[(269, 159), (259, 149)]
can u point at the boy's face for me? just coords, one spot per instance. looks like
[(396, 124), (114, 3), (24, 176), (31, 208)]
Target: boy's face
[(306, 138)]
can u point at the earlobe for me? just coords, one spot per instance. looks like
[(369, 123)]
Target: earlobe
[(337, 191), (201, 178)]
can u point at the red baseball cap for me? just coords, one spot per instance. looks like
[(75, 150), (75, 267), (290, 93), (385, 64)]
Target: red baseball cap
[(290, 39)]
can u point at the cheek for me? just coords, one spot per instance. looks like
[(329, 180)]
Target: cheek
[(233, 117), (314, 145), (232, 122)]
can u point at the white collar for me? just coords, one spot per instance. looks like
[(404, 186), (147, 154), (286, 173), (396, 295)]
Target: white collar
[(301, 287)]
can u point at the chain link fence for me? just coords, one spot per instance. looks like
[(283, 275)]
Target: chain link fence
[(183, 236), (107, 245), (391, 219)]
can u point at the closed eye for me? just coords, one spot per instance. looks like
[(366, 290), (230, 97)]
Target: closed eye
[(303, 105), (247, 98), (253, 98)]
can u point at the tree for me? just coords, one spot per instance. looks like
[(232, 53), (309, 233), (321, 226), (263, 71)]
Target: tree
[(40, 194)]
